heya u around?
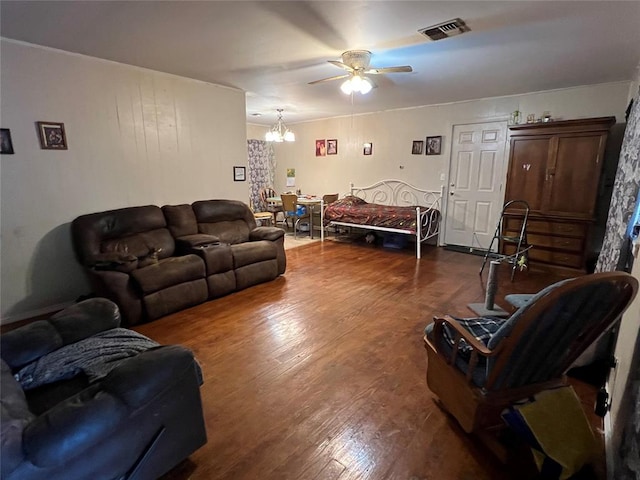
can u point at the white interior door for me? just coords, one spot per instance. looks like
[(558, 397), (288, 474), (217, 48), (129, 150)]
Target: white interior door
[(476, 178)]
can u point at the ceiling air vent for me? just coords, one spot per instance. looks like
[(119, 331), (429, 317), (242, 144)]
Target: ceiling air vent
[(445, 30)]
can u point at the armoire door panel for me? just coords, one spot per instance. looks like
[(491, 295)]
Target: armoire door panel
[(574, 176), (527, 171)]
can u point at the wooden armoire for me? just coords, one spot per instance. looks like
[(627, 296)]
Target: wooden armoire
[(555, 167)]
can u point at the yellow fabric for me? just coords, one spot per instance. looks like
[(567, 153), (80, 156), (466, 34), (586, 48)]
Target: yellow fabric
[(560, 426)]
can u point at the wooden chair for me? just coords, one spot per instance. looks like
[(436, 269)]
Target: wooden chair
[(261, 216), (270, 206), (290, 209), (475, 380), (326, 200)]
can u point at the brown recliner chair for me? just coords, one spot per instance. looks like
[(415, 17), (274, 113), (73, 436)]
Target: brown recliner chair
[(84, 399), (129, 257)]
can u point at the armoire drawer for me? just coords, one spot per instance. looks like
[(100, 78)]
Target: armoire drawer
[(560, 243), (565, 259), (548, 227)]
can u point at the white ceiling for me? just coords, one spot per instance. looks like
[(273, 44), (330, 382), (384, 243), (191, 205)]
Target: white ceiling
[(272, 49)]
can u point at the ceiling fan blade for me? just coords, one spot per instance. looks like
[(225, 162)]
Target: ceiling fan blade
[(341, 65), (375, 71), (337, 77)]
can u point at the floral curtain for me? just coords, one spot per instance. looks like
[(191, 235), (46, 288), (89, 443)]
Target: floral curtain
[(613, 255), (262, 167)]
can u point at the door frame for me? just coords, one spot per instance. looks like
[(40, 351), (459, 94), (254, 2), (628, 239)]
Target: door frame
[(447, 174)]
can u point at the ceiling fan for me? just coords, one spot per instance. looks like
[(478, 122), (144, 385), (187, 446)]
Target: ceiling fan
[(356, 63)]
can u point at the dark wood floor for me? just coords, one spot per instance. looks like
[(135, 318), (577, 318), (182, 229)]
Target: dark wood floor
[(320, 374)]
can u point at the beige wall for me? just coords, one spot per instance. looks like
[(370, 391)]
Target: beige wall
[(392, 133), (135, 137)]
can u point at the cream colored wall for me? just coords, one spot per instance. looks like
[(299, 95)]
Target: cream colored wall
[(392, 133), (135, 137), (256, 132)]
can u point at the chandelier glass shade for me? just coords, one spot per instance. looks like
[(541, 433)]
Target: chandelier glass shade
[(279, 131), (358, 84)]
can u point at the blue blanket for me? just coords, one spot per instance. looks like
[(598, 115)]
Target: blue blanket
[(95, 356)]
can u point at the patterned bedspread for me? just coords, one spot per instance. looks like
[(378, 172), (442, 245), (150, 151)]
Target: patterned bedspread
[(355, 210)]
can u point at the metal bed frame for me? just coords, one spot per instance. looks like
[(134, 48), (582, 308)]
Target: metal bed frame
[(402, 194)]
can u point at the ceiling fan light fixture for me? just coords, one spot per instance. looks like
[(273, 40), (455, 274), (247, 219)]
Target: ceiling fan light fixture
[(279, 132), (357, 84), (346, 87)]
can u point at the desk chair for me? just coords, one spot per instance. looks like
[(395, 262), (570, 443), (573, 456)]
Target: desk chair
[(290, 209), (272, 207)]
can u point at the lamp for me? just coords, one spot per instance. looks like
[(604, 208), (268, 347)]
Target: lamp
[(357, 83), (279, 131)]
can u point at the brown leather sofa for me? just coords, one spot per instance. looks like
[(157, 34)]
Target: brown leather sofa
[(154, 261)]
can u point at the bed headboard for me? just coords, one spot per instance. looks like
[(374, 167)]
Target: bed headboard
[(399, 193)]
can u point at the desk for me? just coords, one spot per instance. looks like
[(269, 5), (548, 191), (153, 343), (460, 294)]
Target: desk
[(308, 201)]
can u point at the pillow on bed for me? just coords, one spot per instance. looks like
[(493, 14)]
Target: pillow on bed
[(349, 201)]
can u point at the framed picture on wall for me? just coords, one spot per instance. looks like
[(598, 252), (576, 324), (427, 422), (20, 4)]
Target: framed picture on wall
[(434, 145), (52, 136), (368, 149), (6, 145), (321, 148), (239, 174), (418, 146), (332, 147)]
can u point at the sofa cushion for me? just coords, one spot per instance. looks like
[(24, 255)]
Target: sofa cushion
[(180, 219), (175, 298), (28, 343), (72, 426), (252, 252), (256, 273), (142, 245), (89, 231), (169, 272), (14, 417), (230, 220), (43, 338), (120, 262), (230, 232), (218, 258)]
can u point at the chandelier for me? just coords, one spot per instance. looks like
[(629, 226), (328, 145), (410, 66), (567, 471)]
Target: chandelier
[(357, 83), (279, 131)]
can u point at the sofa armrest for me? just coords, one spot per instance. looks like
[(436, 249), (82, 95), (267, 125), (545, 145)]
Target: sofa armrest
[(266, 233), (148, 375), (199, 240), (26, 344)]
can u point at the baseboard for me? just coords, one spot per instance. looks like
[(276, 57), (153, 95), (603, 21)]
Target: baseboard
[(7, 319), (473, 251)]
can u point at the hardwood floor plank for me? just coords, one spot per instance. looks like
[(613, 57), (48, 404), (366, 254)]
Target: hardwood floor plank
[(320, 374)]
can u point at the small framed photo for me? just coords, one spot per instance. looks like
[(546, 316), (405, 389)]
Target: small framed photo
[(6, 145), (332, 147), (434, 145), (239, 174), (321, 148), (52, 136), (418, 146), (368, 149)]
